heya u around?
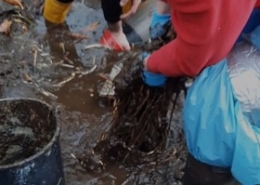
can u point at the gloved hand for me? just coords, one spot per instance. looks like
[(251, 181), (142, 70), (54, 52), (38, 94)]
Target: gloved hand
[(152, 79), (160, 25)]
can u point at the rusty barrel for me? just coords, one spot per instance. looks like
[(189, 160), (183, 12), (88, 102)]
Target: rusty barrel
[(29, 144)]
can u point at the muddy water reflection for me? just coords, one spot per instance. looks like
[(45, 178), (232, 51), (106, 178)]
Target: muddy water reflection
[(83, 120)]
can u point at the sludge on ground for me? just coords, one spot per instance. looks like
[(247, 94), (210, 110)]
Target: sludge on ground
[(52, 65)]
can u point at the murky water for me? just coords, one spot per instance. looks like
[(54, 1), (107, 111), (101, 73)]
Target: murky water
[(33, 65)]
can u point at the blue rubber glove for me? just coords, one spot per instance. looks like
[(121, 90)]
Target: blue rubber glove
[(152, 79), (160, 25)]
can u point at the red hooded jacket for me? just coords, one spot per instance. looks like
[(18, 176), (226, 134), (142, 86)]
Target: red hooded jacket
[(206, 32)]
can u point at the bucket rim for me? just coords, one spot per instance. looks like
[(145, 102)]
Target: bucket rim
[(46, 147)]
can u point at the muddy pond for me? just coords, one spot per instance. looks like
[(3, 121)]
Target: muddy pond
[(55, 65)]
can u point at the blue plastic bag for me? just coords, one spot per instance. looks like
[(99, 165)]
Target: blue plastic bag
[(255, 38), (216, 130), (252, 23)]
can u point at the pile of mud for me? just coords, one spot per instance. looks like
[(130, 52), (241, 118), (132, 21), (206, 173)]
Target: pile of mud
[(25, 129)]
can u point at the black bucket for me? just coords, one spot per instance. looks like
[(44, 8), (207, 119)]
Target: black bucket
[(29, 144)]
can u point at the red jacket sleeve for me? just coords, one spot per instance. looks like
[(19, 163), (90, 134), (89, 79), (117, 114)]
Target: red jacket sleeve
[(206, 32), (258, 4), (177, 59), (195, 24)]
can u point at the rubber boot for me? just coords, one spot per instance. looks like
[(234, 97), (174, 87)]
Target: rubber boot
[(55, 11)]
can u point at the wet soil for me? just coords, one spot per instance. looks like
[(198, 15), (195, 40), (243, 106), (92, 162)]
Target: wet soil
[(26, 127), (50, 63)]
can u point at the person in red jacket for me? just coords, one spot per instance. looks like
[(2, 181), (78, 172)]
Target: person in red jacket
[(206, 32), (218, 133)]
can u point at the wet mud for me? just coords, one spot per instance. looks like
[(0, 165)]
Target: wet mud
[(25, 129), (51, 63)]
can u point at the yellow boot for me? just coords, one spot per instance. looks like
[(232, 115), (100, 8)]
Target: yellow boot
[(55, 11)]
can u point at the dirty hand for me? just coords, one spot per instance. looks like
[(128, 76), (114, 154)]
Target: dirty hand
[(149, 78), (134, 6)]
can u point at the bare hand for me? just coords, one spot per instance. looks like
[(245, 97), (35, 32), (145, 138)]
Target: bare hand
[(135, 5)]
